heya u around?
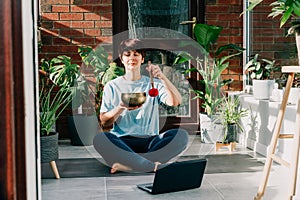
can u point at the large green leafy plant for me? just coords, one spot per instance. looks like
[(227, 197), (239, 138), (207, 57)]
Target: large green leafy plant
[(211, 61), (86, 85), (53, 99)]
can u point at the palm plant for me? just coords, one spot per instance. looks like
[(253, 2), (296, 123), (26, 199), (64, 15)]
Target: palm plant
[(211, 65)]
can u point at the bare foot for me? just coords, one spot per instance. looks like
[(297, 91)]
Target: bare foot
[(156, 165), (119, 167)]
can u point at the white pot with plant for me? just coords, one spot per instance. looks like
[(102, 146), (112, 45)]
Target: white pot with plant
[(260, 70)]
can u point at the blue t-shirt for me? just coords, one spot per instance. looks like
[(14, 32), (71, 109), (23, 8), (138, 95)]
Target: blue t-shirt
[(139, 122)]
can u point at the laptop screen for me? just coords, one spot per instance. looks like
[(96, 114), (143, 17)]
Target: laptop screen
[(179, 176)]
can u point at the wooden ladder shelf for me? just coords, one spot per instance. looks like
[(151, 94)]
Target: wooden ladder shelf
[(293, 164)]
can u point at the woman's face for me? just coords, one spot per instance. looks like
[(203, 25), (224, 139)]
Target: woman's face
[(132, 59)]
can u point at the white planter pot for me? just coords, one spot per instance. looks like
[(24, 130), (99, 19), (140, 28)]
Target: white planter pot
[(210, 132), (262, 89)]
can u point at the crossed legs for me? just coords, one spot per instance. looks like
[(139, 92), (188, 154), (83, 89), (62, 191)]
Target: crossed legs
[(140, 154)]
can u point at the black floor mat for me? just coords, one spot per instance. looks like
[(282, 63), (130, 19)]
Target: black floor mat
[(91, 167)]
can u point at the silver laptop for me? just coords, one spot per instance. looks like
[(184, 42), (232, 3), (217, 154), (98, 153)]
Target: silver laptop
[(177, 176)]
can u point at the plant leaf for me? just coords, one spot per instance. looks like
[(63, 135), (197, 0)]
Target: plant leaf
[(286, 16), (207, 34)]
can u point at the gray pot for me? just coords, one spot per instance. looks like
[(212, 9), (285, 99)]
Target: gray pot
[(49, 147)]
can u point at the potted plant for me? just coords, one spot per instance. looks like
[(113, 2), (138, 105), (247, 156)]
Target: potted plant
[(230, 114), (260, 70), (53, 100), (211, 61), (86, 83)]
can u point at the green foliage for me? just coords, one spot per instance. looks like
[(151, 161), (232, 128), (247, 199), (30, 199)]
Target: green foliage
[(102, 69), (287, 9), (52, 107), (53, 99), (63, 72), (97, 58), (215, 61), (260, 69), (230, 113), (66, 74)]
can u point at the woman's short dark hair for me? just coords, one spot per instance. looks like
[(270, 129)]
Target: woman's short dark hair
[(131, 44)]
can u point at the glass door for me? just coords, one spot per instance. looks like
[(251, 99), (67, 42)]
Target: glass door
[(156, 13), (163, 25)]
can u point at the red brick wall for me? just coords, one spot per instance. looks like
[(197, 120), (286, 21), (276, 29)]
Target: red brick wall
[(221, 13), (68, 24)]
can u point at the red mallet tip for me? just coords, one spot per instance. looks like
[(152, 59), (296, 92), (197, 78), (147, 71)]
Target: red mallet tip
[(153, 92)]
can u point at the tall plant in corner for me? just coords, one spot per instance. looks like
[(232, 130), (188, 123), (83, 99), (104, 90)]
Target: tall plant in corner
[(287, 10), (212, 61)]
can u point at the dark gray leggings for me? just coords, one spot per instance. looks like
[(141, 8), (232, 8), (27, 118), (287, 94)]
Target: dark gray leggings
[(140, 153)]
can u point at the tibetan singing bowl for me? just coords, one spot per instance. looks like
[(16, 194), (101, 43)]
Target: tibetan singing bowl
[(133, 99)]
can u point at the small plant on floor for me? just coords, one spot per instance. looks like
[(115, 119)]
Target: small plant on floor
[(230, 114)]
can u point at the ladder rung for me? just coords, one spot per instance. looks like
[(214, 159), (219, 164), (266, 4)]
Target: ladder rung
[(286, 136), (280, 160), (290, 69)]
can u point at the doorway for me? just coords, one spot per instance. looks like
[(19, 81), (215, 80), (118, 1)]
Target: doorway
[(163, 25)]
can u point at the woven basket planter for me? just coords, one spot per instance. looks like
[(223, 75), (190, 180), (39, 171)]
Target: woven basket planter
[(49, 147)]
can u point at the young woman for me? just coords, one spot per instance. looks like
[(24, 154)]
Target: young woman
[(135, 143)]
